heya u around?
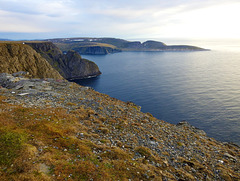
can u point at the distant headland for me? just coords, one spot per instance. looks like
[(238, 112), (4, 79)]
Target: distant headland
[(103, 46)]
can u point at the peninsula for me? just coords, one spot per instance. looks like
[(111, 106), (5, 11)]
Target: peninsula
[(102, 46)]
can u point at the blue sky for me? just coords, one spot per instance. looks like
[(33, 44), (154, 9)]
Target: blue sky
[(128, 19)]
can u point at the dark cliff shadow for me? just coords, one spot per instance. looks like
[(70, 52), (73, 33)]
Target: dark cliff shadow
[(90, 82)]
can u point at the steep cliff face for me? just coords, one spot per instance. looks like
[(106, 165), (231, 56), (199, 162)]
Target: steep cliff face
[(16, 56), (70, 65), (96, 50), (79, 67)]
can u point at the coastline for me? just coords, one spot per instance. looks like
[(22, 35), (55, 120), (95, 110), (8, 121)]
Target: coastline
[(176, 86), (109, 124)]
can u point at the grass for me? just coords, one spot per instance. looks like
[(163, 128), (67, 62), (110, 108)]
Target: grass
[(83, 144), (75, 45), (45, 144), (11, 145), (21, 42), (146, 153)]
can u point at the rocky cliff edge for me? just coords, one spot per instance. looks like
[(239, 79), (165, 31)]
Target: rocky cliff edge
[(44, 60), (70, 65)]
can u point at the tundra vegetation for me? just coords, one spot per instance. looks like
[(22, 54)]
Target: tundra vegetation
[(70, 132)]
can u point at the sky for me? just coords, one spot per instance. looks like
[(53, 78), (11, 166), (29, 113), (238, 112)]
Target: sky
[(127, 19)]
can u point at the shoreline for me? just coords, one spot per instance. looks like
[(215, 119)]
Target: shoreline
[(105, 123)]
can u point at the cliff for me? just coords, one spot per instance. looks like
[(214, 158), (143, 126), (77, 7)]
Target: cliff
[(58, 130), (44, 60), (79, 67), (87, 47), (96, 46), (16, 56), (70, 65), (96, 50)]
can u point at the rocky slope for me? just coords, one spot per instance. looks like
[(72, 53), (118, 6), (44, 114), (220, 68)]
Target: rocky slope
[(70, 65), (58, 130), (16, 56)]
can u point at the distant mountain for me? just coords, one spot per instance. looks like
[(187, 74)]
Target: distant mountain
[(1, 39), (96, 46)]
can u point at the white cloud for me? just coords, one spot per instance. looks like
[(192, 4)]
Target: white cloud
[(16, 22), (122, 18), (34, 16), (218, 21)]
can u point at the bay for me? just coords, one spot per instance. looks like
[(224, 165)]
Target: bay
[(202, 88)]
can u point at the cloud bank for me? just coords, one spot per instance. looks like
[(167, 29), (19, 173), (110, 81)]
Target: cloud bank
[(120, 18)]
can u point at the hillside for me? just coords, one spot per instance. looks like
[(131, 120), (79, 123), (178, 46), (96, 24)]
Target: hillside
[(112, 45), (70, 65), (44, 60), (89, 48), (58, 130), (16, 56)]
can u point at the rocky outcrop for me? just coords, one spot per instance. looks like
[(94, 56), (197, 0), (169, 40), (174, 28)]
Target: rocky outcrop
[(79, 67), (70, 65), (15, 57), (44, 60)]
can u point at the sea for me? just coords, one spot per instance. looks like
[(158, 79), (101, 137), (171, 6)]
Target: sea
[(200, 87)]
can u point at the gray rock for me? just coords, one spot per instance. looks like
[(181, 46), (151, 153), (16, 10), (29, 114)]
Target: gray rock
[(47, 88), (20, 73), (18, 87)]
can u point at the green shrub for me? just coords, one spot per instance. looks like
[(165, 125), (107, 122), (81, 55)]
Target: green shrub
[(11, 144)]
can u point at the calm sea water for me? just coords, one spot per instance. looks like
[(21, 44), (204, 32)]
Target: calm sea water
[(202, 88)]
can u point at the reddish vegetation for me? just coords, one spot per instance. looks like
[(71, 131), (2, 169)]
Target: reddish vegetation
[(74, 133)]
